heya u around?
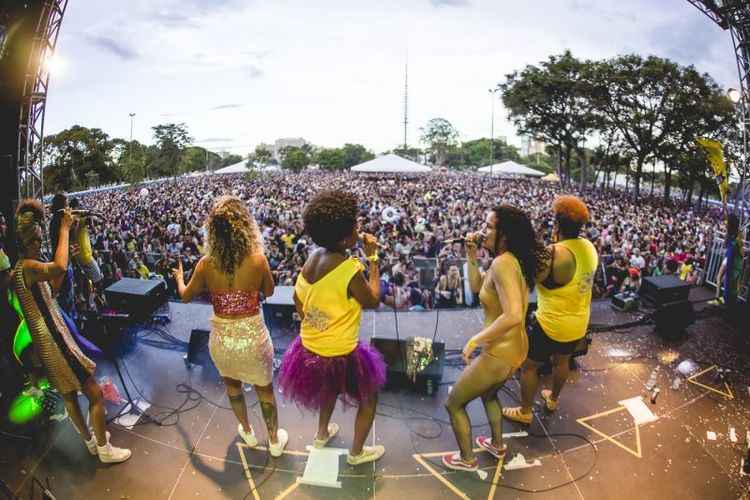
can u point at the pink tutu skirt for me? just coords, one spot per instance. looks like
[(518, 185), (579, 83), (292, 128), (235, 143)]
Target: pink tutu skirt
[(311, 380)]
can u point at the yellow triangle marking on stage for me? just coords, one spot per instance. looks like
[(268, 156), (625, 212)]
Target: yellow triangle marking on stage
[(727, 394), (609, 438), (420, 457), (249, 475)]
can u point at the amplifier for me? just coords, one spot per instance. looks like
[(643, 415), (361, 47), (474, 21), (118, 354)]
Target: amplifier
[(394, 353), (139, 298), (624, 302), (673, 318), (658, 290)]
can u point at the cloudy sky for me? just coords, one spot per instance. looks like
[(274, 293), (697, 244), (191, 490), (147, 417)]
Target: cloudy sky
[(241, 72)]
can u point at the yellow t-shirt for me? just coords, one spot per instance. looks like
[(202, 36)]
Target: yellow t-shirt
[(685, 270), (563, 313), (331, 323), (288, 240)]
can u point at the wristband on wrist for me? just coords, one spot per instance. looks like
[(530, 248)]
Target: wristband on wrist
[(373, 258)]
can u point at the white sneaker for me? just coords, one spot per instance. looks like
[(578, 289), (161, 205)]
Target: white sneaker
[(277, 449), (91, 443), (248, 437), (369, 454), (109, 454)]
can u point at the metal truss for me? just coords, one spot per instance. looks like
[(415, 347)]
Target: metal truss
[(34, 101), (734, 16)]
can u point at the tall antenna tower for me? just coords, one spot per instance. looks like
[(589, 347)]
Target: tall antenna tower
[(406, 100)]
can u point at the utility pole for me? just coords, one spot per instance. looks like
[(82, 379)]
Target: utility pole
[(492, 127), (132, 115), (406, 100)]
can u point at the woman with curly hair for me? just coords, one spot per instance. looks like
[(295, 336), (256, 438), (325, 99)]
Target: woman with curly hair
[(327, 361), (503, 292), (235, 272), (67, 367)]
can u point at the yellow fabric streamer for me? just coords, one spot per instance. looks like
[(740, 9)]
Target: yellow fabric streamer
[(715, 152)]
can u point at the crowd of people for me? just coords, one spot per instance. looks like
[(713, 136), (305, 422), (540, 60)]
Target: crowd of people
[(241, 237), (143, 230)]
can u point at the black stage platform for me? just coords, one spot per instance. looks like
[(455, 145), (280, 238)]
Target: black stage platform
[(199, 455)]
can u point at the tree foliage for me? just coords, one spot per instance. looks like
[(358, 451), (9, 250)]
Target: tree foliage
[(635, 110), (440, 136)]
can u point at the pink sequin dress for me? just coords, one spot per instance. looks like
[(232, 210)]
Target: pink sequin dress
[(240, 345)]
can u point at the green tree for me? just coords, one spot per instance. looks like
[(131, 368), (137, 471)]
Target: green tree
[(294, 158), (413, 154), (78, 156), (354, 154), (330, 158), (552, 102), (657, 106), (261, 155), (229, 160), (439, 135), (171, 141)]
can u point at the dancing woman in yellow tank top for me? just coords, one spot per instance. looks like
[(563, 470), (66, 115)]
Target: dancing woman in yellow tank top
[(503, 291)]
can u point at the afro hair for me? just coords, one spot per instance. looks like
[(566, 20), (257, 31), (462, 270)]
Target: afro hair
[(330, 217)]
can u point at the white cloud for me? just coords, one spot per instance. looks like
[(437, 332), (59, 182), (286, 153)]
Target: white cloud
[(333, 71)]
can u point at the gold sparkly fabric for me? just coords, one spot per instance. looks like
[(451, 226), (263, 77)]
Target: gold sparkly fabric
[(241, 349), (236, 303), (63, 377)]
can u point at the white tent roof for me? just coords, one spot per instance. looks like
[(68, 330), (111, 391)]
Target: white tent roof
[(236, 168), (510, 168), (390, 163)]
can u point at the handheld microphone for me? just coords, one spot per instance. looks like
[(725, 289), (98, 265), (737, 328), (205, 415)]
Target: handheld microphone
[(83, 213), (462, 239)]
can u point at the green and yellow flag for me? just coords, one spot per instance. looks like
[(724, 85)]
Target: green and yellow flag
[(715, 152)]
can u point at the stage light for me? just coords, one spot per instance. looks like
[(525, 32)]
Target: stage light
[(734, 95), (54, 64)]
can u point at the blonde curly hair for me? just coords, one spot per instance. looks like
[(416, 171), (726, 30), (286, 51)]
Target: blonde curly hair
[(233, 234)]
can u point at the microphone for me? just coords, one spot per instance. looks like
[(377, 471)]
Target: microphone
[(83, 213), (462, 239)]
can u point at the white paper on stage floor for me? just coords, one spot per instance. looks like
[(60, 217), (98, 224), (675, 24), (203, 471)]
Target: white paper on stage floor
[(322, 468), (130, 419), (639, 411)]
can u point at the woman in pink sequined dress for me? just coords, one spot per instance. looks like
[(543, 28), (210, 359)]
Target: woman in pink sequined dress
[(235, 271)]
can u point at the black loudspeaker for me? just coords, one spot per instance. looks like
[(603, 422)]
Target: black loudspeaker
[(659, 290), (198, 353), (673, 318), (394, 353), (279, 310), (139, 298)]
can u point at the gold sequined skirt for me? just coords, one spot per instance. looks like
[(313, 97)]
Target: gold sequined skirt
[(241, 349)]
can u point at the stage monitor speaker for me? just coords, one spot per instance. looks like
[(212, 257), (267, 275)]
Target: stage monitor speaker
[(659, 290), (279, 310), (139, 298), (198, 349), (394, 353), (673, 318)]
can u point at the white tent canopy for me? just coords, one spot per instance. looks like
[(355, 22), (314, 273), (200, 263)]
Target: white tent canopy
[(510, 168), (391, 163), (235, 168)]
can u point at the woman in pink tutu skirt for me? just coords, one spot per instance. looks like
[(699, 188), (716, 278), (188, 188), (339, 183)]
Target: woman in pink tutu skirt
[(327, 361)]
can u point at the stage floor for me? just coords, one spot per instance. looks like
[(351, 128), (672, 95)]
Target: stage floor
[(199, 455)]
